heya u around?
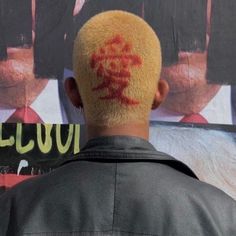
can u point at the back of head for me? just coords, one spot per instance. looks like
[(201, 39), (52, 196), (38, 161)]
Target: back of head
[(117, 64)]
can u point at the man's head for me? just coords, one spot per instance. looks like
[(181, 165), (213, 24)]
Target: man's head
[(190, 90), (117, 64), (19, 86)]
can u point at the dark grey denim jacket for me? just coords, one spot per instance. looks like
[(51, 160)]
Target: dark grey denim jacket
[(117, 186)]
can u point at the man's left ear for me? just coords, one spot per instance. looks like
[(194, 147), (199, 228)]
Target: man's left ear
[(73, 92), (161, 93)]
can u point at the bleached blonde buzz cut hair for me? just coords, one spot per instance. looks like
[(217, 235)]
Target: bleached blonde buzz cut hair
[(117, 65)]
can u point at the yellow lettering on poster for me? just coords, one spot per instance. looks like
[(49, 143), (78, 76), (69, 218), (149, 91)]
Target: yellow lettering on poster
[(77, 139), (6, 142), (64, 148), (46, 146), (19, 148)]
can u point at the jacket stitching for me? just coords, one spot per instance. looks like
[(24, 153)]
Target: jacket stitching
[(107, 231), (124, 154), (114, 206)]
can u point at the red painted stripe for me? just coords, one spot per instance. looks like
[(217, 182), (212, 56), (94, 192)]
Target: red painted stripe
[(9, 180)]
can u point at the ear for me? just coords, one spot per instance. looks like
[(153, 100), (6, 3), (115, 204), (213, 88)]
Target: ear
[(161, 93), (73, 92)]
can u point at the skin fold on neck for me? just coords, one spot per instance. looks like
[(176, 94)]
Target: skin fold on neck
[(130, 129)]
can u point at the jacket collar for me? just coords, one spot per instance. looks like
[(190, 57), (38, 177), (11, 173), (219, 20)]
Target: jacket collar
[(126, 149), (118, 143)]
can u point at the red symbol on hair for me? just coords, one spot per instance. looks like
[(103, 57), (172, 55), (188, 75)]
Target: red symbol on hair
[(113, 63)]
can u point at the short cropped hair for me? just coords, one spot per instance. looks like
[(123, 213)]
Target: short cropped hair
[(117, 65)]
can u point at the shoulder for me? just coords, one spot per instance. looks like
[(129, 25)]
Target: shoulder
[(173, 181), (44, 201), (160, 192)]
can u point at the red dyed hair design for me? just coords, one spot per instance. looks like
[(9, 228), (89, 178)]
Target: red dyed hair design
[(113, 63)]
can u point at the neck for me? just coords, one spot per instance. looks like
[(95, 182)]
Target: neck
[(136, 130)]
